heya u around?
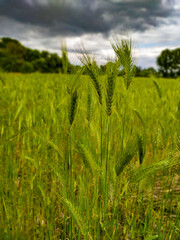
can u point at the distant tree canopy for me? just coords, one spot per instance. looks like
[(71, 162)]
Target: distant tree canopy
[(14, 57), (169, 63), (146, 72)]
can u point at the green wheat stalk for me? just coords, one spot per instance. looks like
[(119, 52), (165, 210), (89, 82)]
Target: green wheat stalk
[(123, 51)]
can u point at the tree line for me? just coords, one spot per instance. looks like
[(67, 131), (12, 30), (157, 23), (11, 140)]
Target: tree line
[(14, 57)]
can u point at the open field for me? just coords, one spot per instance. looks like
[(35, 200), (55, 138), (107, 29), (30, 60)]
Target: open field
[(70, 171)]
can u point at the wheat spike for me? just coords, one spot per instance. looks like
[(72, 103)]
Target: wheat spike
[(73, 107), (162, 166), (80, 221), (90, 69), (111, 77), (128, 154), (88, 159), (123, 51)]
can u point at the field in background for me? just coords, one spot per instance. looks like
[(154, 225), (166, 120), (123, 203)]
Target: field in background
[(52, 182)]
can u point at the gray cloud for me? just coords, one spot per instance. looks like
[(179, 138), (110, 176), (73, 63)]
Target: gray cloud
[(75, 18)]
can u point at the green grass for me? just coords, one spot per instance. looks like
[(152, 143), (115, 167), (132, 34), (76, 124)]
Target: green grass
[(52, 182)]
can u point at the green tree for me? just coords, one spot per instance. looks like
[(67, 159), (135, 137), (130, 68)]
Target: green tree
[(54, 63), (169, 62), (5, 41), (16, 50), (10, 64), (27, 67), (32, 55), (45, 54), (176, 62), (40, 65)]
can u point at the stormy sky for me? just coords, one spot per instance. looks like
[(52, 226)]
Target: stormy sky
[(153, 25)]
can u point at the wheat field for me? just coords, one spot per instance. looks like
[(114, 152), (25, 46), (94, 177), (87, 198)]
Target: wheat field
[(89, 159)]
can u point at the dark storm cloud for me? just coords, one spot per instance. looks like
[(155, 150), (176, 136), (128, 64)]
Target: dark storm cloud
[(77, 17)]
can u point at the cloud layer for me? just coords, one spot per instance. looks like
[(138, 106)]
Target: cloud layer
[(69, 17), (42, 23)]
